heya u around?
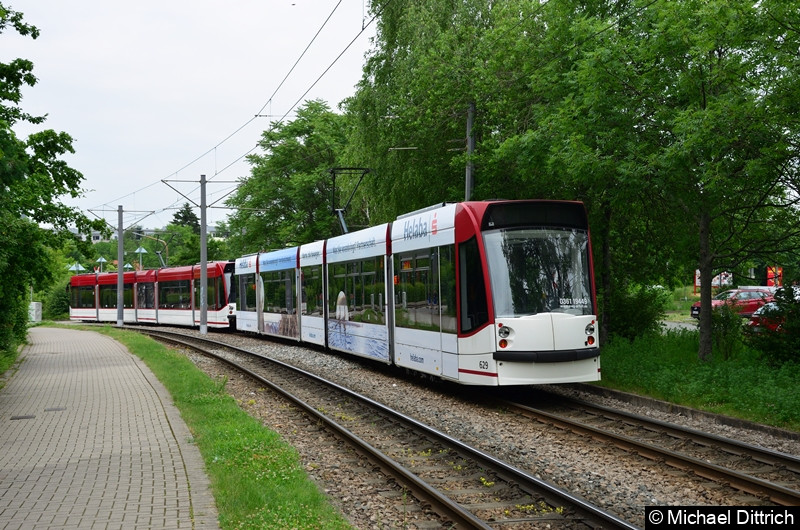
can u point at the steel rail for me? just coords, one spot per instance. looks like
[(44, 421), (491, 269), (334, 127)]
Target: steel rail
[(591, 515), (735, 447), (442, 504), (775, 492)]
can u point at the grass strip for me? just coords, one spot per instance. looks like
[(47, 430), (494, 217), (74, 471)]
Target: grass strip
[(257, 478), (667, 367)]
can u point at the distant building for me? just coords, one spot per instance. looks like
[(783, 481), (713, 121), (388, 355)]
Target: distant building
[(97, 237)]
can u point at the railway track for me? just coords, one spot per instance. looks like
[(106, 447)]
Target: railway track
[(466, 487), (764, 473)]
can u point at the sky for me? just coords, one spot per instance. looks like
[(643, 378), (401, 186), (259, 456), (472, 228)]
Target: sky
[(171, 90)]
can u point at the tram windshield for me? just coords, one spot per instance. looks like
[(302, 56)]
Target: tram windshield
[(539, 270)]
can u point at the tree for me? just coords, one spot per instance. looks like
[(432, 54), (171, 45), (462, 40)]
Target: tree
[(727, 162), (664, 117), (184, 247), (551, 123), (32, 178), (186, 217)]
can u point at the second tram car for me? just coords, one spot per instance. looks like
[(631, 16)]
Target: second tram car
[(168, 296)]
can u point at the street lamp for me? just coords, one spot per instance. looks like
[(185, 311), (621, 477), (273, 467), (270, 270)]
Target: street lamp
[(128, 266), (77, 267), (140, 251), (101, 260)]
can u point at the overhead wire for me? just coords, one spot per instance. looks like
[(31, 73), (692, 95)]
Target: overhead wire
[(255, 116), (299, 99)]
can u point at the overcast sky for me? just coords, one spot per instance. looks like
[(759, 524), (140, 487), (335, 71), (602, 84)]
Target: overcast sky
[(151, 91)]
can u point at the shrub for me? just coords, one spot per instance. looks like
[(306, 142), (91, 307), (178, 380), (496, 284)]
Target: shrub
[(55, 305), (637, 311), (13, 323), (726, 329)]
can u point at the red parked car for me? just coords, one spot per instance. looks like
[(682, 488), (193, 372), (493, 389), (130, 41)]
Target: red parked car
[(769, 316), (743, 301), (766, 317)]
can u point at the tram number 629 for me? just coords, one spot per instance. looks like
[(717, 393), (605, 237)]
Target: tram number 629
[(483, 365)]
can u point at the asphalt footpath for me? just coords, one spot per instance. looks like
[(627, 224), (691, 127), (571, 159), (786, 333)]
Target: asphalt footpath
[(89, 438)]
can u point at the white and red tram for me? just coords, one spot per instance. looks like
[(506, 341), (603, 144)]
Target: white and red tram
[(481, 293), (168, 296)]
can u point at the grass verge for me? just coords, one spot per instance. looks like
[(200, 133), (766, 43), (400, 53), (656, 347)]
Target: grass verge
[(257, 479), (667, 367)]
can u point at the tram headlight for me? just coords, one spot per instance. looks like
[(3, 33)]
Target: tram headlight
[(590, 329), (504, 331)]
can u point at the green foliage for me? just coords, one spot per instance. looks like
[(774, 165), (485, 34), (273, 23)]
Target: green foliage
[(727, 331), (641, 310), (184, 246), (13, 324), (683, 144), (288, 198), (55, 305), (33, 177), (781, 345), (678, 143), (20, 266), (186, 217), (666, 367)]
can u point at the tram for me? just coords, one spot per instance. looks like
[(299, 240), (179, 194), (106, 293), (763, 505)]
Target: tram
[(490, 293)]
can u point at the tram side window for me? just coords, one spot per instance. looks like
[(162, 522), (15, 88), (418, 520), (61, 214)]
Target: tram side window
[(362, 286), (247, 293), (474, 307), (312, 290), (108, 296), (216, 293), (279, 291), (447, 287), (417, 290), (213, 294), (425, 289), (83, 297), (146, 295), (175, 295)]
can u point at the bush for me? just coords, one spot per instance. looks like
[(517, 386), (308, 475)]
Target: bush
[(637, 311), (726, 330), (666, 366), (13, 323), (55, 305)]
